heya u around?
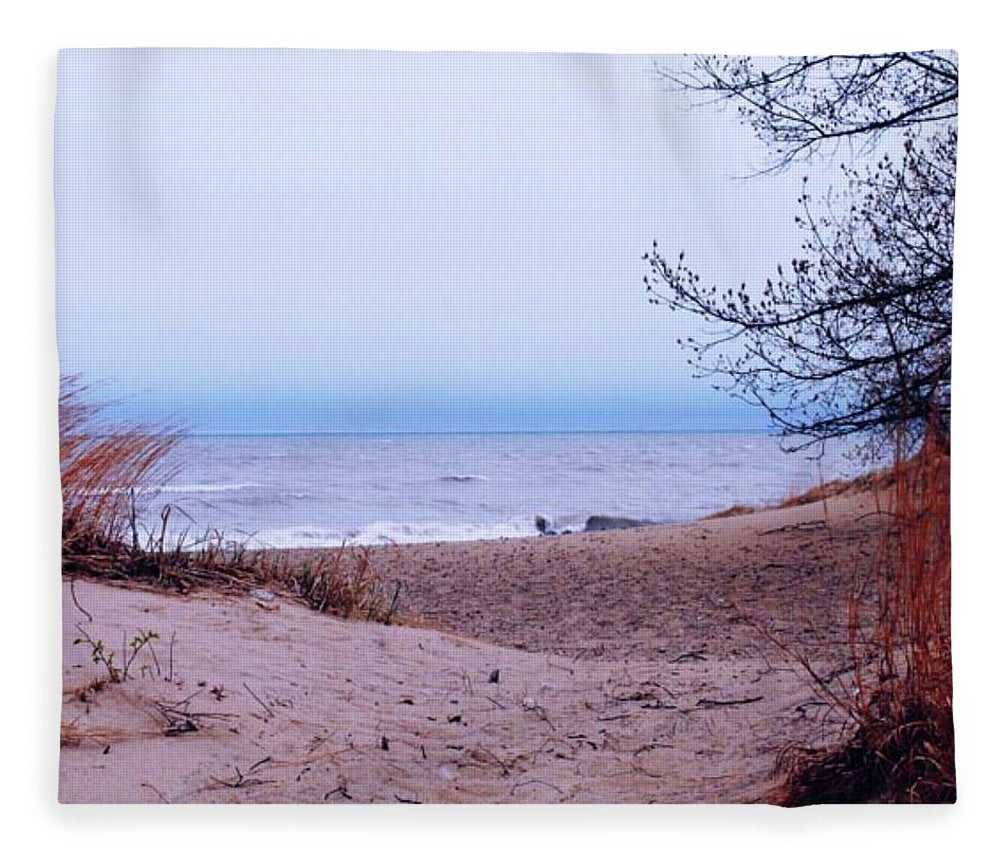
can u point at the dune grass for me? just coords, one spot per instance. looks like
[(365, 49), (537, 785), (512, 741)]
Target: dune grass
[(104, 466), (110, 470), (900, 742)]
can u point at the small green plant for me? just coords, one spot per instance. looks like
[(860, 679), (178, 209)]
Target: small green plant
[(101, 655)]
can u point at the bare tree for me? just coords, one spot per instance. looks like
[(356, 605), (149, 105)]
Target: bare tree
[(801, 105), (855, 336)]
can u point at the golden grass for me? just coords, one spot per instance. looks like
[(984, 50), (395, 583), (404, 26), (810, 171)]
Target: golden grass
[(108, 469), (879, 481), (900, 747), (104, 468)]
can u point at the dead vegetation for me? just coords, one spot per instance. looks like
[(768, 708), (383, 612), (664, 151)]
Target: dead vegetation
[(734, 511), (899, 742), (880, 480)]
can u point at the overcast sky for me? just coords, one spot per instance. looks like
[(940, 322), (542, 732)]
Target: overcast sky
[(269, 241)]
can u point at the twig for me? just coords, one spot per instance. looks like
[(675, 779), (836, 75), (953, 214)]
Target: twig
[(259, 701), (257, 764), (807, 525), (156, 662), (691, 655), (723, 703), (76, 603), (341, 789), (518, 785), (159, 793), (170, 675)]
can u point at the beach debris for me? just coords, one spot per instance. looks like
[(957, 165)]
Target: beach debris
[(265, 599), (341, 789), (157, 791), (808, 525), (698, 654), (527, 782), (241, 780), (725, 703), (258, 699), (76, 603), (181, 719)]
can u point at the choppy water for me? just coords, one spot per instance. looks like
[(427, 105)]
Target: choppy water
[(300, 491)]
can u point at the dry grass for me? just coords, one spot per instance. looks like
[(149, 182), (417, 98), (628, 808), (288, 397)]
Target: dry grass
[(734, 511), (104, 468), (106, 472), (879, 481), (72, 735), (900, 743)]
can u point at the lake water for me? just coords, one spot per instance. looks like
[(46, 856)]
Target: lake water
[(301, 491)]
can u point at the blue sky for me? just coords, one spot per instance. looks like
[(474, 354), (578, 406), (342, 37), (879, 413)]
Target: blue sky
[(276, 241)]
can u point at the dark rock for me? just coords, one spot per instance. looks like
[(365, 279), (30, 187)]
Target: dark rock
[(601, 523), (542, 525)]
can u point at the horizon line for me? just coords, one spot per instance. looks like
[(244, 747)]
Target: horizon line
[(603, 431)]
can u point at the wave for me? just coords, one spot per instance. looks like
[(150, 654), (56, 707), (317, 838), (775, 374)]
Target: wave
[(383, 532), (201, 488), (386, 532), (190, 489)]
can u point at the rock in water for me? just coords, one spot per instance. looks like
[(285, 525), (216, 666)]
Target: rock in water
[(601, 523), (542, 525)]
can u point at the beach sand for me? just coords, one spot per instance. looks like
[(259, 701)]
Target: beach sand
[(607, 667)]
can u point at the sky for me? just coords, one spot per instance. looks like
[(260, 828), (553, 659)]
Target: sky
[(324, 241)]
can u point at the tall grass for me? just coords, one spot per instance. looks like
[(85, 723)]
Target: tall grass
[(900, 746), (109, 470), (105, 467)]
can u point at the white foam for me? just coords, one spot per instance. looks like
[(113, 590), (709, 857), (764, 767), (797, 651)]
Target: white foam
[(383, 532), (201, 488)]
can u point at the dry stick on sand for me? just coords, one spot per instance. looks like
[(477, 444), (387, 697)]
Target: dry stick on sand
[(241, 780), (259, 700), (76, 603), (725, 703)]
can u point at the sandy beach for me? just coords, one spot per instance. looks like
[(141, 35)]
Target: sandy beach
[(623, 666)]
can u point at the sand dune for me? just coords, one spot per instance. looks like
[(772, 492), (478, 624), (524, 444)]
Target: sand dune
[(612, 667)]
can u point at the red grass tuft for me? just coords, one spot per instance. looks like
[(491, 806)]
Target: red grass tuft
[(902, 745)]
